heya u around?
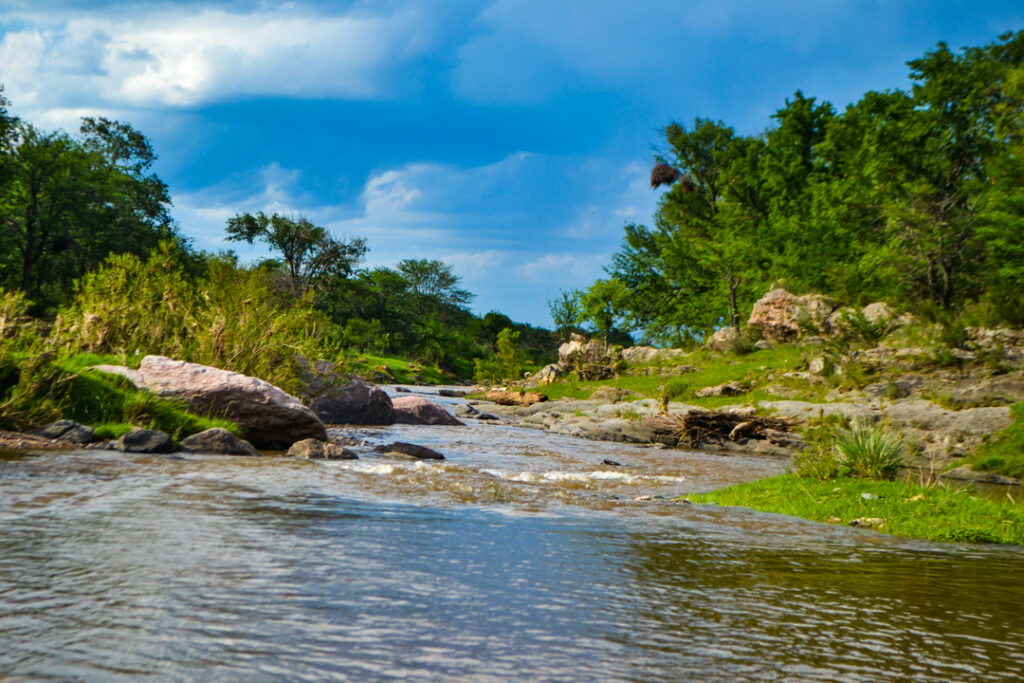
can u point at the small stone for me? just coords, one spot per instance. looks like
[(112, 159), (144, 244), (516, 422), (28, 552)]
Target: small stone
[(611, 463), (402, 390), (313, 449), (869, 496), (835, 520), (919, 496), (868, 522), (218, 441), (146, 441)]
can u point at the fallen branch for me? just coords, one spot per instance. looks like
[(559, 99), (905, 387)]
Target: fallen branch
[(708, 426)]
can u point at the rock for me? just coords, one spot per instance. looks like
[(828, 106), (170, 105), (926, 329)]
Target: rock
[(413, 410), (451, 393), (868, 522), (465, 410), (356, 402), (313, 449), (993, 390), (819, 366), (218, 441), (764, 345), (780, 315), (410, 449), (611, 463), (878, 313), (727, 389), (402, 390), (590, 360), (548, 374), (146, 441), (804, 410), (515, 398), (725, 339), (570, 348), (965, 473), (68, 430), (267, 416)]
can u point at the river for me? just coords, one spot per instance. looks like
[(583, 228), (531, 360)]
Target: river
[(522, 556)]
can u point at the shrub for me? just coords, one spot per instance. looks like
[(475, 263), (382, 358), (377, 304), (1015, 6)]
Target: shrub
[(869, 452)]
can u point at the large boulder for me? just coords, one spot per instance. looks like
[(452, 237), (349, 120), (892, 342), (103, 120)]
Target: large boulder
[(413, 410), (515, 398), (781, 316), (218, 441), (358, 403), (267, 416)]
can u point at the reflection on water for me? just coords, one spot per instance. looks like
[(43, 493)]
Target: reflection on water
[(519, 557)]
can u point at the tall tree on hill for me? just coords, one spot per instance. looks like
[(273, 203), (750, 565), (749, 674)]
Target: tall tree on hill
[(310, 253)]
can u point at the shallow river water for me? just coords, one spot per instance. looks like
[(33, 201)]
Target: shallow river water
[(521, 556)]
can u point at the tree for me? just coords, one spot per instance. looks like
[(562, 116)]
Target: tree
[(565, 312), (435, 279), (603, 304), (311, 254), (68, 203)]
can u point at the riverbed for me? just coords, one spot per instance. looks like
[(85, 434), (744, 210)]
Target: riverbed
[(523, 555)]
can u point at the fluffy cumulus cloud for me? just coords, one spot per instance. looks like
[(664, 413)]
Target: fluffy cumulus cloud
[(174, 56)]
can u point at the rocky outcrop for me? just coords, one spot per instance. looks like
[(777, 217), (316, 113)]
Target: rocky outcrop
[(358, 402), (413, 410), (267, 416), (145, 441), (547, 374), (219, 442), (590, 360), (635, 355), (727, 389), (410, 449), (781, 316), (314, 449), (725, 339)]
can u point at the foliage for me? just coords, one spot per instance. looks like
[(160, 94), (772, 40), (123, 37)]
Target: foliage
[(565, 312), (66, 203), (506, 364), (905, 509), (1004, 454), (310, 253), (915, 198), (869, 452), (47, 388)]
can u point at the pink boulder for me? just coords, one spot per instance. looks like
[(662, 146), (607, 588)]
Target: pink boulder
[(413, 410)]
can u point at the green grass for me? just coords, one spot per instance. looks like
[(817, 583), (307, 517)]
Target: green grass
[(46, 389), (755, 370), (1004, 454), (909, 510), (403, 369)]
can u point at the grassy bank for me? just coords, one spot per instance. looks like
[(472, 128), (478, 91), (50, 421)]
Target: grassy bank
[(35, 390), (1004, 454), (905, 509)]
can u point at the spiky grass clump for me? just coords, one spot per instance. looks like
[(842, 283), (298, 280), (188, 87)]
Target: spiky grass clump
[(868, 452)]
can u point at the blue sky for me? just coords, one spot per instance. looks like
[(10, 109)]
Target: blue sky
[(510, 138)]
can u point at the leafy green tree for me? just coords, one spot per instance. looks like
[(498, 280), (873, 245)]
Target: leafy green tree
[(68, 203), (310, 253), (602, 304), (434, 279), (565, 312)]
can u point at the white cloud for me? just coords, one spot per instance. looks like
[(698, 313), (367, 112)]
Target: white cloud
[(178, 57), (564, 268)]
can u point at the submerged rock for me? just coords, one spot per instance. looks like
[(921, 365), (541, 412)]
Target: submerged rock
[(218, 441), (410, 449), (146, 441), (267, 416), (413, 410), (313, 449)]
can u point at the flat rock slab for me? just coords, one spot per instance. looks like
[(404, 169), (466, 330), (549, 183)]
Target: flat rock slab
[(267, 416), (965, 473), (410, 449), (68, 430)]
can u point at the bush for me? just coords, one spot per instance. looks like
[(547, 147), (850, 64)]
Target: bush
[(869, 452)]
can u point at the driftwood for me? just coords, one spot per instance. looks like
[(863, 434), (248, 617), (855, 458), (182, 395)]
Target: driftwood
[(708, 426)]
